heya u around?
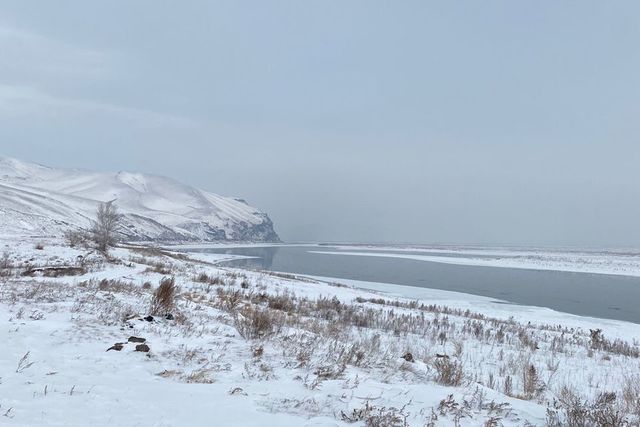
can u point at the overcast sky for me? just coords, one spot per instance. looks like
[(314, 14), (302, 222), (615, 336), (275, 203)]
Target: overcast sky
[(491, 122)]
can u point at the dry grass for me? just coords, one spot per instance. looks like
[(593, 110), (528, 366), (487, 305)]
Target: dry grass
[(58, 271), (448, 372), (320, 339), (373, 416), (254, 323), (570, 410), (163, 300)]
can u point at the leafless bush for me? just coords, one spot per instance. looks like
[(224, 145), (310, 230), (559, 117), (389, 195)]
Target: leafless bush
[(211, 280), (597, 339), (448, 372), (617, 346), (155, 266), (6, 265), (254, 322), (283, 302), (230, 300), (5, 261), (163, 300), (572, 411), (631, 394), (76, 238)]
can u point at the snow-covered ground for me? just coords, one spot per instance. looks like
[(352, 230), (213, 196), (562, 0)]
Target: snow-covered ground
[(624, 263), (245, 348)]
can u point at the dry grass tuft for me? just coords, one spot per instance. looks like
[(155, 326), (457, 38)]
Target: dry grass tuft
[(254, 322), (163, 300), (448, 372)]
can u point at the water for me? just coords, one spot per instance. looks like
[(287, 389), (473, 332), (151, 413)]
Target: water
[(596, 295)]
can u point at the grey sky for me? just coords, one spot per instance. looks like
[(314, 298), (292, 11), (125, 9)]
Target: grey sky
[(468, 122)]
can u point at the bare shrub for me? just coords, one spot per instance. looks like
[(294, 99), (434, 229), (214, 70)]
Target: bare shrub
[(617, 346), (76, 238), (106, 226), (606, 411), (163, 300), (202, 278), (283, 302), (230, 300), (210, 280), (597, 339), (572, 411), (631, 394), (531, 384), (5, 261), (448, 372), (253, 323), (160, 268), (6, 265)]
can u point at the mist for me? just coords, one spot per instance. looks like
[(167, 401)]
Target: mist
[(471, 123)]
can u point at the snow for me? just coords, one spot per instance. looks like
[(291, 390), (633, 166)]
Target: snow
[(614, 263), (201, 371), (52, 200)]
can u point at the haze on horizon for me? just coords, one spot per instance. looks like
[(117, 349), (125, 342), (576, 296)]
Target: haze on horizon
[(470, 122)]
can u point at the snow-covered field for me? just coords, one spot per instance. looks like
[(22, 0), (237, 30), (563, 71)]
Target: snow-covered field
[(624, 263), (245, 348)]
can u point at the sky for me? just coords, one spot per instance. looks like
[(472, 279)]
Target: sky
[(474, 122)]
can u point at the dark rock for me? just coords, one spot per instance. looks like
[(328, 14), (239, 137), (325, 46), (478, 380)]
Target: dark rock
[(441, 356), (117, 346), (143, 348), (408, 357), (169, 316), (137, 339), (149, 318)]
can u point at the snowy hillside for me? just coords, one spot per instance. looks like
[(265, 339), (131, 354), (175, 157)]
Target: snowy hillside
[(92, 343), (37, 200)]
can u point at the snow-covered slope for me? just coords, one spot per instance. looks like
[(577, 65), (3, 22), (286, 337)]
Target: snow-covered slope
[(38, 200)]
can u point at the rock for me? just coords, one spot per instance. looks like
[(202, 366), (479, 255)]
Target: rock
[(137, 339), (237, 391), (117, 346), (441, 356), (149, 318), (408, 357), (143, 348), (169, 316)]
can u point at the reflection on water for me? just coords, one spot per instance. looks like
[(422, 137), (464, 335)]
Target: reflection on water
[(263, 257), (596, 295)]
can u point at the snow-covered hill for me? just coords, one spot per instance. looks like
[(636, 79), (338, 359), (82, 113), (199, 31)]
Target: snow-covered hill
[(39, 200)]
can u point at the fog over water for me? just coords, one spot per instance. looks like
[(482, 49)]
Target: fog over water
[(469, 122)]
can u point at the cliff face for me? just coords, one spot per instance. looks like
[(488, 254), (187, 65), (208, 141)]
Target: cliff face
[(38, 200)]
